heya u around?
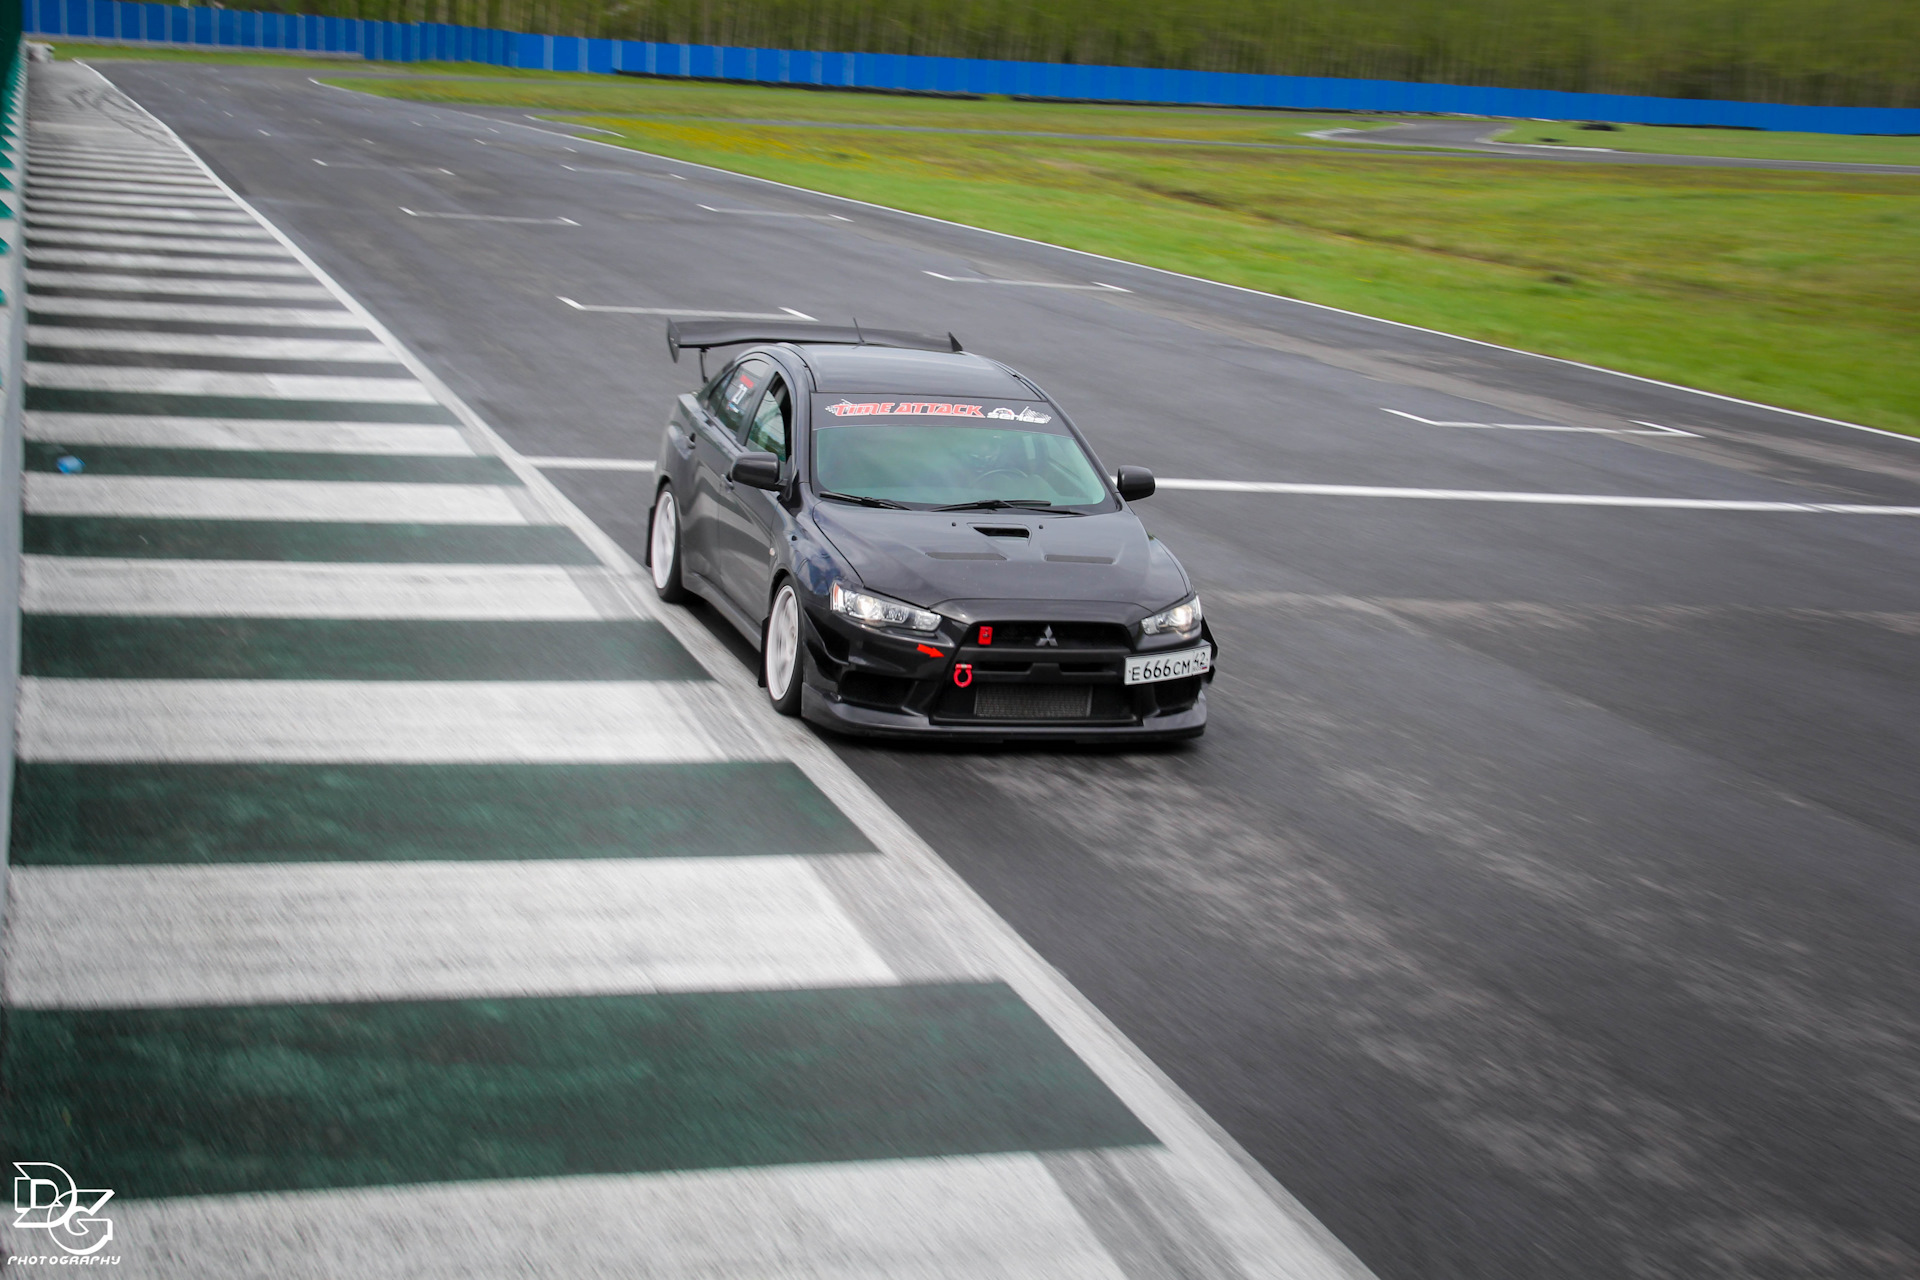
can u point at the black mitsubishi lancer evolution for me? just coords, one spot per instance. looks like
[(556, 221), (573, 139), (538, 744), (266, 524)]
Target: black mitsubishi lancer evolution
[(920, 543)]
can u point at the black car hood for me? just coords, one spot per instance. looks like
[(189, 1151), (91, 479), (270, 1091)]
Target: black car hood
[(930, 557)]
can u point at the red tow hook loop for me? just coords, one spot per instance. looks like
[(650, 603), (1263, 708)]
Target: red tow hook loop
[(962, 674)]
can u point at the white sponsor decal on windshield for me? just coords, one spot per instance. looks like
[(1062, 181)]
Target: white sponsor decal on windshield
[(1025, 415), (936, 408)]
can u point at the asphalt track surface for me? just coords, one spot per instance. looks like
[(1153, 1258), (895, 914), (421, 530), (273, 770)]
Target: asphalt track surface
[(1543, 898), (1477, 135)]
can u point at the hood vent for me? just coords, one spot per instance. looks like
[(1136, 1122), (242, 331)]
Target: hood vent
[(1002, 530)]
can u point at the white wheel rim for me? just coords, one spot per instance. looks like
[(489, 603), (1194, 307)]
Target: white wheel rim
[(783, 642), (666, 531)]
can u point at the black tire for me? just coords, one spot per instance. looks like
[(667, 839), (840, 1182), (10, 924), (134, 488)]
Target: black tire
[(783, 651), (663, 546)]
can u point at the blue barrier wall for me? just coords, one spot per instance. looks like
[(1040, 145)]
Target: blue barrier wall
[(438, 42)]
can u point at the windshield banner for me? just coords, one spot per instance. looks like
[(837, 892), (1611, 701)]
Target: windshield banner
[(845, 408)]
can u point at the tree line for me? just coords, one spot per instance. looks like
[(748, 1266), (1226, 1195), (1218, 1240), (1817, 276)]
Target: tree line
[(1821, 52)]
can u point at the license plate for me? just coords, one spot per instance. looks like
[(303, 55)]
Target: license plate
[(1149, 668)]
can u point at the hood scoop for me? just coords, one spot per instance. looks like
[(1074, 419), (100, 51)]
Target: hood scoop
[(1002, 530)]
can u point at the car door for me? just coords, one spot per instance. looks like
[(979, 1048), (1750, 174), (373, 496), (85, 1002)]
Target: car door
[(727, 406), (744, 535)]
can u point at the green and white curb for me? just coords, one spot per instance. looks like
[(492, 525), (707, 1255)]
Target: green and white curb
[(398, 890)]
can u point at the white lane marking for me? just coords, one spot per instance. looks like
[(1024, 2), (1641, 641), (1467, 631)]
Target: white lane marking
[(292, 589), (234, 247), (624, 173), (488, 217), (958, 1217), (785, 313), (208, 498), (1029, 284), (94, 937), (1544, 499), (1656, 430), (193, 312), (208, 344), (271, 434), (100, 282), (418, 722), (174, 231), (205, 382), (394, 168), (774, 213), (162, 262), (588, 464)]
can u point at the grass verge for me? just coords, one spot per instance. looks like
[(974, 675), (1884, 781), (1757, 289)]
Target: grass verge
[(1739, 144)]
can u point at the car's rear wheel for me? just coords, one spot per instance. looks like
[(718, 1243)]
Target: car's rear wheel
[(663, 547), (783, 653)]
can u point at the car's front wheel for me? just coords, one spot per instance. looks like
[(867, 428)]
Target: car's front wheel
[(663, 547), (782, 654)]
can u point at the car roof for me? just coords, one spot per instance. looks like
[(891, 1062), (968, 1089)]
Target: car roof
[(900, 371)]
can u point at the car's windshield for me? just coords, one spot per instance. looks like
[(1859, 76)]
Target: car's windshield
[(993, 460)]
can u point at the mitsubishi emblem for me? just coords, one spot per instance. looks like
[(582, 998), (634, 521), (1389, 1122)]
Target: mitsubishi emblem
[(1047, 637)]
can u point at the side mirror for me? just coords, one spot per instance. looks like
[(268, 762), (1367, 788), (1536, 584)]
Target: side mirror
[(1134, 483), (756, 471)]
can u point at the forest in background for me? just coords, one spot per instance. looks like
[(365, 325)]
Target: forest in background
[(1818, 52)]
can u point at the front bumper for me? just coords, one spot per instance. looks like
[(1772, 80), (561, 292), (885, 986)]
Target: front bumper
[(1067, 687)]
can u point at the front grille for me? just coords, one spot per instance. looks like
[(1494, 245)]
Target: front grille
[(1033, 702), (1066, 635)]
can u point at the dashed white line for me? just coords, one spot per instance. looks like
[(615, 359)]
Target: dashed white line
[(589, 464), (785, 313), (1655, 429), (488, 217), (774, 213), (1029, 284)]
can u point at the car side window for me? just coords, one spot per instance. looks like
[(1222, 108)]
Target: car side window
[(739, 395), (771, 420)]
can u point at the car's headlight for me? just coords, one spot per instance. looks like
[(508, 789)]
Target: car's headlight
[(879, 611), (1181, 620)]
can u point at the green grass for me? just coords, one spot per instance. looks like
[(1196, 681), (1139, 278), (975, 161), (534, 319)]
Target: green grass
[(1745, 144), (694, 100), (1797, 289)]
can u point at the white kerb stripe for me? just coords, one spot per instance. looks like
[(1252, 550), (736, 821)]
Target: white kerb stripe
[(192, 497), (271, 434), (113, 937), (175, 232), (206, 382), (227, 216), (211, 344), (195, 312), (260, 589), (104, 283), (995, 1217), (1546, 499), (121, 240), (163, 262), (450, 722)]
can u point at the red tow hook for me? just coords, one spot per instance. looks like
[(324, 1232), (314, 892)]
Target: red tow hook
[(962, 674)]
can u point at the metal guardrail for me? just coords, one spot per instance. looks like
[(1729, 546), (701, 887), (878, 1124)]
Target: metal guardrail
[(127, 21)]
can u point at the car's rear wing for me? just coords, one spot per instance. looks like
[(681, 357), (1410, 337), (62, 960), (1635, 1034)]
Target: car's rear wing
[(704, 334)]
